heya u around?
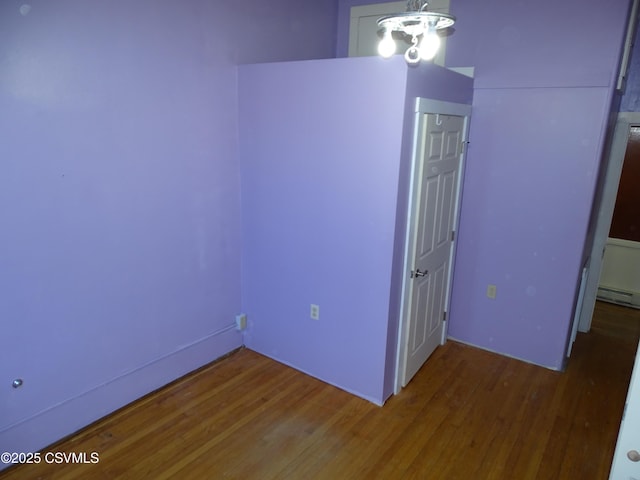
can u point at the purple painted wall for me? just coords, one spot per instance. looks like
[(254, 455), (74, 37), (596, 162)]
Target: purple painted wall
[(519, 44), (540, 117), (540, 114), (321, 146), (120, 251), (525, 211)]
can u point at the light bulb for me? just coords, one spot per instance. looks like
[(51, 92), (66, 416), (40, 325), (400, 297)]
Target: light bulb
[(387, 46), (430, 45), (412, 55)]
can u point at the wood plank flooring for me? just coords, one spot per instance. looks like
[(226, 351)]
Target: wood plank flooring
[(467, 414)]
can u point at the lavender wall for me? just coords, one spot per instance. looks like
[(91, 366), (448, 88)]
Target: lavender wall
[(537, 133), (539, 120), (321, 152), (119, 196), (525, 211), (524, 46)]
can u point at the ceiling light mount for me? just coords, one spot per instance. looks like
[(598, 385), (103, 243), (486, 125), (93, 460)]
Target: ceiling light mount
[(416, 23)]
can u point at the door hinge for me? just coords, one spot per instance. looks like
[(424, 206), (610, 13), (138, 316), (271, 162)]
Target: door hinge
[(453, 235), (444, 316)]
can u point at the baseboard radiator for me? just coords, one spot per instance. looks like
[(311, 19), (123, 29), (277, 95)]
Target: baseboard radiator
[(620, 277), (621, 297)]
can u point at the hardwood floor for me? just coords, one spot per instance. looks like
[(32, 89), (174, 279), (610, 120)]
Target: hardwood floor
[(467, 414)]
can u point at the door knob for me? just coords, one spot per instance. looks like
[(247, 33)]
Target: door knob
[(418, 273), (633, 455)]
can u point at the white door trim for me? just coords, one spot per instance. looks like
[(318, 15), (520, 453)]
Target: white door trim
[(622, 467), (422, 106), (625, 121)]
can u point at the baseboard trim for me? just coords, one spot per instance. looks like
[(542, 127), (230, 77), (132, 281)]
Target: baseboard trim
[(375, 400), (486, 349), (58, 421)]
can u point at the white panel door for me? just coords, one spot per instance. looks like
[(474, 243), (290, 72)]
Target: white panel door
[(626, 460), (439, 155)]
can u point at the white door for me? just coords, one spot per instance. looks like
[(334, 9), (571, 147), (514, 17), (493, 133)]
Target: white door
[(436, 177), (626, 460)]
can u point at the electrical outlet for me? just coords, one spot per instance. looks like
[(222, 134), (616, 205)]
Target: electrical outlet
[(491, 291), (315, 312), (241, 322)]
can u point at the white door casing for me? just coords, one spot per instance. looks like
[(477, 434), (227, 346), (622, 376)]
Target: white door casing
[(626, 459), (605, 213), (440, 135)]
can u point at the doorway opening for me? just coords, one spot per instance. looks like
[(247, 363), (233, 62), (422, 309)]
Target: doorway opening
[(626, 121), (620, 277)]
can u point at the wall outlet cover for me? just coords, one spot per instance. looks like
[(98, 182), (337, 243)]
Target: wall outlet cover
[(241, 321)]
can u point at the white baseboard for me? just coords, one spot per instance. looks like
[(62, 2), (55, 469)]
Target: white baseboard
[(46, 427)]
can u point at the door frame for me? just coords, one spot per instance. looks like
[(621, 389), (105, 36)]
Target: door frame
[(369, 10), (426, 106), (625, 121), (627, 435)]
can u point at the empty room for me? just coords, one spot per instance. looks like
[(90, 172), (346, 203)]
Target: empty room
[(237, 242)]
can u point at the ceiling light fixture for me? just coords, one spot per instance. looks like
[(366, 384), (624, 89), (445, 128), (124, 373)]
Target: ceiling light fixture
[(415, 23)]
